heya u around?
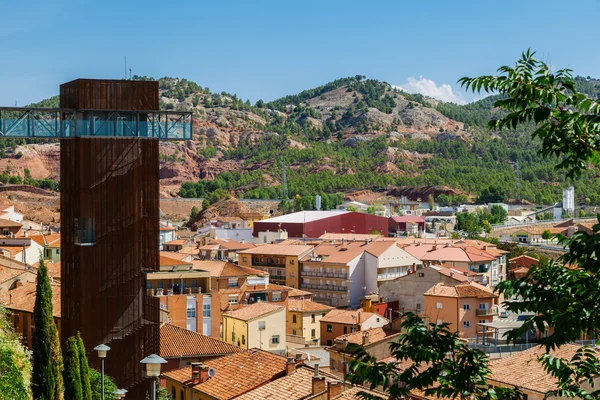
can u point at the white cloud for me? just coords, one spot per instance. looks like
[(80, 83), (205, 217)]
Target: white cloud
[(427, 87)]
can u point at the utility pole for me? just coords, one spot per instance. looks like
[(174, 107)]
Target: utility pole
[(284, 188)]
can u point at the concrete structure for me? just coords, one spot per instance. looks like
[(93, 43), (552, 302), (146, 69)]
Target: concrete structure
[(312, 224), (462, 306), (270, 237), (408, 290), (260, 325), (412, 225), (237, 234), (568, 200), (341, 322), (303, 319), (223, 249), (279, 260)]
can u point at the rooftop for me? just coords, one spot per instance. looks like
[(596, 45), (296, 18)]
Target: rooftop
[(254, 311), (179, 342), (222, 269), (345, 316), (306, 306), (235, 374), (375, 335), (409, 218), (23, 298), (463, 290), (348, 236), (304, 216)]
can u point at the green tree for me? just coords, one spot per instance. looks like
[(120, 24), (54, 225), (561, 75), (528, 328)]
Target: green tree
[(96, 384), (205, 204), (581, 214), (72, 370), (486, 226), (84, 369), (546, 235), (492, 194), (351, 208), (499, 214), (194, 212), (371, 210), (161, 394), (431, 201), (15, 366), (47, 360)]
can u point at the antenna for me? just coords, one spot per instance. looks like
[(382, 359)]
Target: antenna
[(129, 73), (211, 372), (125, 67)]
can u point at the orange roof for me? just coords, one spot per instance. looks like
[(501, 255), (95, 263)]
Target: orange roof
[(345, 316), (10, 273), (375, 335), (306, 306), (254, 311), (349, 236), (175, 242), (23, 298), (7, 223), (279, 249), (230, 244), (293, 292), (167, 228), (13, 249), (299, 386), (179, 342), (523, 256), (223, 269), (42, 240), (463, 290), (455, 273), (174, 255), (522, 369), (235, 374), (171, 262), (54, 244)]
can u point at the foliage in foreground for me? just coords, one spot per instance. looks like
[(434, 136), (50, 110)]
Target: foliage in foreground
[(15, 366)]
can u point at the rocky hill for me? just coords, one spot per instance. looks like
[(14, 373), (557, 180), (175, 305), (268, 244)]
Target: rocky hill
[(348, 135)]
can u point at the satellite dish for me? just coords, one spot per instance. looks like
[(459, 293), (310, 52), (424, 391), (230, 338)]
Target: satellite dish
[(211, 372)]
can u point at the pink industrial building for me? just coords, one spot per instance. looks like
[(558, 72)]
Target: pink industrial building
[(312, 224)]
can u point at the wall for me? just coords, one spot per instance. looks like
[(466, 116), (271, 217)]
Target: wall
[(448, 313), (238, 235), (304, 324), (409, 289), (176, 305), (471, 315), (26, 276), (274, 325), (337, 330), (238, 328), (358, 281), (23, 324)]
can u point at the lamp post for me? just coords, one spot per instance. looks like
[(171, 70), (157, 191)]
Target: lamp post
[(102, 349), (153, 369), (119, 394)]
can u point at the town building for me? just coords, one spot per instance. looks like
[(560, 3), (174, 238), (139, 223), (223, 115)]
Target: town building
[(20, 301), (408, 289), (411, 225), (223, 249), (280, 261), (8, 212), (303, 320), (225, 377), (182, 347), (519, 266), (14, 273), (166, 234), (270, 237), (252, 217), (348, 237), (341, 322), (312, 224), (375, 341), (462, 306), (50, 244), (260, 325)]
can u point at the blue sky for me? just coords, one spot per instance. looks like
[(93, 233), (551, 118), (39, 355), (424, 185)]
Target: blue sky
[(267, 49)]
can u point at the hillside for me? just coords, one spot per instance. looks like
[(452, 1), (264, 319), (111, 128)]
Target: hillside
[(348, 135)]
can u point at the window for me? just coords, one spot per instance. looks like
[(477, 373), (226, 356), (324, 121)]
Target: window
[(233, 336), (329, 343), (5, 232), (438, 306), (345, 329), (482, 321), (466, 307), (293, 318), (206, 310), (261, 325), (483, 306), (46, 253), (421, 274), (275, 339), (57, 251), (312, 318), (191, 311), (276, 296), (173, 392), (467, 324), (233, 282), (233, 299), (313, 333), (329, 328), (182, 394), (294, 332), (418, 307), (243, 339), (244, 259), (291, 262)]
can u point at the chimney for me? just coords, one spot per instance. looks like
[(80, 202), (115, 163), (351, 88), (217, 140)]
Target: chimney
[(290, 366), (204, 373), (318, 382), (298, 357), (343, 241), (196, 373), (434, 248), (358, 322), (334, 389), (365, 338)]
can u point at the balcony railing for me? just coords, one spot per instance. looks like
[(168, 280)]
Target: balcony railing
[(171, 292), (325, 274), (267, 264), (324, 287), (487, 311), (66, 123)]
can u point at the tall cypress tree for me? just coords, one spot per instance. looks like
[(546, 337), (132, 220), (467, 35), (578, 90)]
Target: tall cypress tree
[(84, 369), (46, 378), (72, 372)]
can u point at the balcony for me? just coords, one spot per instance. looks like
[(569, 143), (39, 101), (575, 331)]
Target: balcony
[(325, 274), (66, 123), (480, 269), (171, 292), (335, 288), (267, 264), (487, 311)]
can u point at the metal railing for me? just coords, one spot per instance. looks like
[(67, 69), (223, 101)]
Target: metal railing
[(324, 287), (324, 274), (486, 311)]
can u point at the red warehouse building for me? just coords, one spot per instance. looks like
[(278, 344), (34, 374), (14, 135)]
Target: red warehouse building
[(313, 224)]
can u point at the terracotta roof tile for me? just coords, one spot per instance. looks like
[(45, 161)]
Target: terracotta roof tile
[(176, 242), (254, 311), (23, 298), (345, 316), (179, 342), (298, 293), (224, 269), (306, 306), (463, 290), (375, 335), (9, 273), (523, 370), (235, 374), (7, 223), (171, 262)]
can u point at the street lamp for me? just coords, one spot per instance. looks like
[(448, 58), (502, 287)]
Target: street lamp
[(102, 349), (119, 394), (153, 369)]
